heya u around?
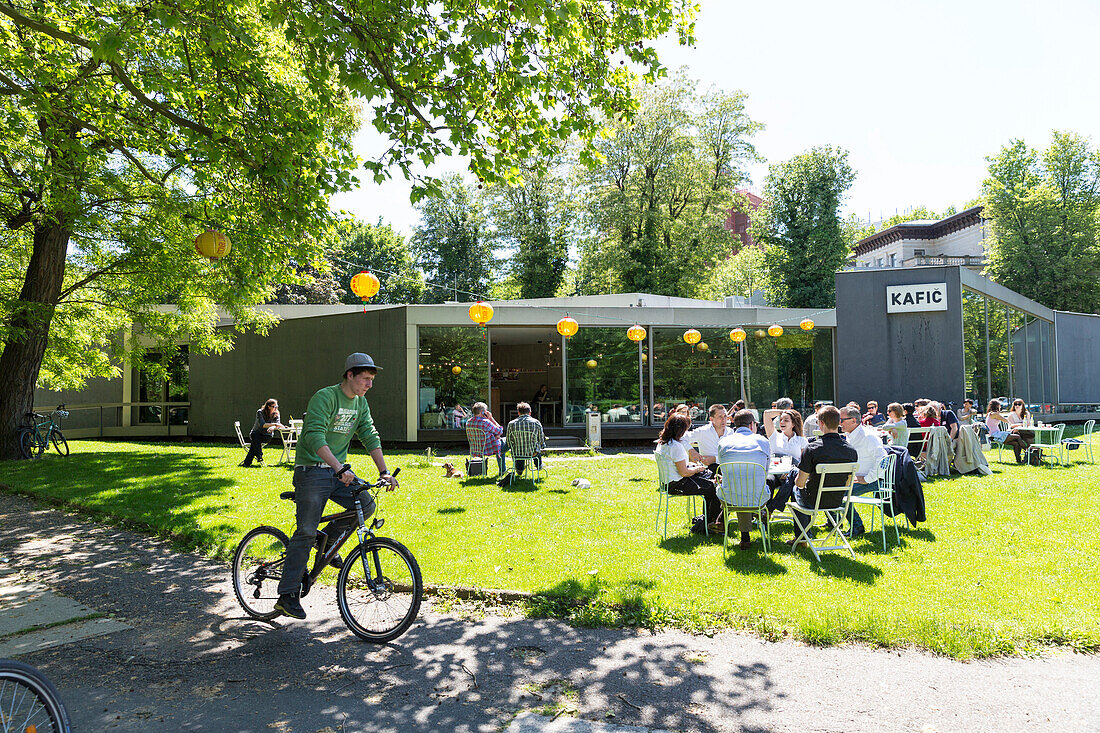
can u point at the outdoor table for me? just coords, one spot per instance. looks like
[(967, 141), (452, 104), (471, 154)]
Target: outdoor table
[(289, 436), (781, 467)]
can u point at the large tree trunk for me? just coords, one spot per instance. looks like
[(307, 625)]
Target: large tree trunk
[(29, 328)]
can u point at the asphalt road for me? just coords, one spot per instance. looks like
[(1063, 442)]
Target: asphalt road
[(190, 661)]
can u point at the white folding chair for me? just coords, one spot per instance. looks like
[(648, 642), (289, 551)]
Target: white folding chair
[(666, 474), (743, 488), (835, 500), (880, 497)]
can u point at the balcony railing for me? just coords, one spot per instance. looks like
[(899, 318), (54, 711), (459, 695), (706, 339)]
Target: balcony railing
[(944, 260)]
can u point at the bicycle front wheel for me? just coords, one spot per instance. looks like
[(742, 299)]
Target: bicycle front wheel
[(379, 589), (257, 570), (29, 447), (29, 701), (59, 443)]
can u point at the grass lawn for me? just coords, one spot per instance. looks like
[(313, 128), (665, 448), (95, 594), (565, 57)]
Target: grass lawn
[(1005, 564)]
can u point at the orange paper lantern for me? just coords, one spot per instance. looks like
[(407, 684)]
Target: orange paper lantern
[(691, 336), (481, 313), (775, 330), (635, 333), (737, 335), (568, 326), (212, 244), (806, 324), (365, 285)]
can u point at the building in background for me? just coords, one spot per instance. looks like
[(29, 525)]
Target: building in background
[(958, 239), (738, 221)]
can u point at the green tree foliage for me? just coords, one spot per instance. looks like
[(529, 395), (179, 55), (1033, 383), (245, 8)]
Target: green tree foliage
[(1044, 210), (661, 195), (739, 274), (533, 225), (451, 244), (131, 127), (800, 228), (384, 252)]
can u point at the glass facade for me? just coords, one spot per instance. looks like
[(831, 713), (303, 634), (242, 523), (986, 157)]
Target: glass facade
[(1008, 354), (698, 376), (454, 374), (602, 375)]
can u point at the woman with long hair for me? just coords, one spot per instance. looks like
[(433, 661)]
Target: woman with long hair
[(1019, 422), (993, 419), (788, 439), (267, 422), (695, 479)]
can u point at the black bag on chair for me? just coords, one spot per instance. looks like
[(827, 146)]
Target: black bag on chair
[(475, 466)]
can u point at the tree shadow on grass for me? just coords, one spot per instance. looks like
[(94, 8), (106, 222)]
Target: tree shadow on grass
[(843, 566)]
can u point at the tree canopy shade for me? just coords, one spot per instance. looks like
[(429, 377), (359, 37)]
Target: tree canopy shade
[(800, 228), (129, 128), (660, 198), (1045, 222)]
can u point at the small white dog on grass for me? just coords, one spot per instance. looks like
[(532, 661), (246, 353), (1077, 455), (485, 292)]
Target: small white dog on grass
[(582, 483)]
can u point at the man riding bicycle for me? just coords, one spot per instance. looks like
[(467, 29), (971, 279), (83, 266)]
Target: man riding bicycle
[(335, 414)]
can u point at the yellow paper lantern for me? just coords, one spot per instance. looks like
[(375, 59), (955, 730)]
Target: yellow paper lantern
[(481, 313), (364, 285), (591, 363), (806, 324), (456, 370), (760, 333), (568, 326), (635, 333), (420, 367), (775, 330), (691, 336), (702, 346), (212, 244), (645, 356), (737, 335)]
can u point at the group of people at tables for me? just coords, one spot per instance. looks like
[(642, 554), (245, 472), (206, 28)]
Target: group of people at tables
[(829, 435)]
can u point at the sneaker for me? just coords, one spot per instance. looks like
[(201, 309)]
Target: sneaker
[(289, 605)]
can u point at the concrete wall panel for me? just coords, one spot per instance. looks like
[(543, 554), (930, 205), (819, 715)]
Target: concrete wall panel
[(1078, 357)]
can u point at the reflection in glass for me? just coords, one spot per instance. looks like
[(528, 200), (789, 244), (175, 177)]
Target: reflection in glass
[(974, 347), (798, 364), (444, 397), (691, 375), (601, 375)]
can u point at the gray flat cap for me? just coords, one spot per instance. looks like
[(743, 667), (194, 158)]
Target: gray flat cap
[(360, 360)]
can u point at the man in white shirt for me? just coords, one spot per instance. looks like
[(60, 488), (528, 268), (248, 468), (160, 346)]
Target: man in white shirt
[(743, 445), (707, 437), (811, 424), (871, 452)]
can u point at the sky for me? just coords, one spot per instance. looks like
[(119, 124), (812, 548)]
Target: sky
[(919, 93)]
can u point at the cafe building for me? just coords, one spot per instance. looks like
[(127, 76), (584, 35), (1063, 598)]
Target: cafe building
[(896, 334)]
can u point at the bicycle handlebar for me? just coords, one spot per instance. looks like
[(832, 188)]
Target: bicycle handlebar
[(361, 485)]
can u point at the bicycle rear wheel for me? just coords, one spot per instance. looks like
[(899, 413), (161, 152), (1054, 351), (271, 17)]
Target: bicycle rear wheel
[(257, 570), (380, 603), (29, 446), (59, 442), (29, 702)]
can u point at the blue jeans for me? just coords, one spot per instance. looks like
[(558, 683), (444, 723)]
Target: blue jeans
[(853, 516), (313, 487)]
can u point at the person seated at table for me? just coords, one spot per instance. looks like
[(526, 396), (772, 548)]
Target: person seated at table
[(458, 417), (527, 431), (695, 478), (966, 414), (659, 412), (873, 417), (743, 445), (771, 416), (542, 395), (263, 429), (895, 426), (1019, 421), (871, 451), (831, 447), (993, 420), (788, 439), (811, 425), (490, 443), (707, 437), (927, 417), (948, 420)]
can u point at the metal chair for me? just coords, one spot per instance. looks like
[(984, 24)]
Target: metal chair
[(743, 488), (1002, 427), (1055, 444), (525, 445), (666, 474), (477, 438), (1086, 441), (835, 508), (880, 497)]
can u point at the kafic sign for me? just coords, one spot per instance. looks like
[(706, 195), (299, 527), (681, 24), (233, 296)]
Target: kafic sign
[(916, 298)]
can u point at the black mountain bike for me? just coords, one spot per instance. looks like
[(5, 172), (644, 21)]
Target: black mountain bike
[(35, 437), (378, 587), (29, 703)]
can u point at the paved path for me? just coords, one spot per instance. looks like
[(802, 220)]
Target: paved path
[(189, 661)]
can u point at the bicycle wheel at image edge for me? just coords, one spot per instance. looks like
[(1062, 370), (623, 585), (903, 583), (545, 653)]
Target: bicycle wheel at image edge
[(257, 569), (383, 606), (59, 443), (28, 444), (29, 701)]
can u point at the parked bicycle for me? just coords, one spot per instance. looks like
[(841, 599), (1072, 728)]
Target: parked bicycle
[(29, 702), (36, 437), (378, 587)]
